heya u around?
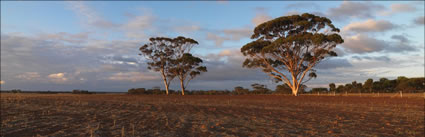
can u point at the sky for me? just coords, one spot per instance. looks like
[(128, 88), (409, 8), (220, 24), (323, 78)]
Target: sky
[(93, 45)]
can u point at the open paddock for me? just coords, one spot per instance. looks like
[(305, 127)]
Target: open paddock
[(210, 115)]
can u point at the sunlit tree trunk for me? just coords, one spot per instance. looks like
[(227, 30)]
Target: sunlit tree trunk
[(182, 86), (294, 91), (166, 83), (166, 87)]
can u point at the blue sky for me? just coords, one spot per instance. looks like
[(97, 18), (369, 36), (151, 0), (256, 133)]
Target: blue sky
[(55, 45)]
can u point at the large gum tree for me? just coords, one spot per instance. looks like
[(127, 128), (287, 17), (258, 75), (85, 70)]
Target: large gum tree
[(289, 47)]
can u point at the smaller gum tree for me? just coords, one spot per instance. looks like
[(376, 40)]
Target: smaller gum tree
[(186, 68), (159, 53)]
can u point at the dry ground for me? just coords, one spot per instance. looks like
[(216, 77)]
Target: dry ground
[(247, 115)]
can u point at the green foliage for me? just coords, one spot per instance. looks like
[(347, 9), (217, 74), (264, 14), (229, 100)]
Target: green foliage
[(240, 91), (332, 87), (368, 85), (137, 91), (283, 89), (16, 91), (293, 44), (260, 89), (153, 91), (340, 89)]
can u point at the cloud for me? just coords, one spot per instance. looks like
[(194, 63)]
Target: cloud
[(333, 63), (370, 26), (401, 44), (38, 60), (227, 66), (400, 38), (362, 43), (120, 59), (77, 38), (238, 33), (350, 9), (187, 28), (136, 27), (302, 5), (289, 13), (91, 17), (377, 58), (2, 82), (229, 35), (132, 77), (29, 76), (57, 77), (419, 20), (216, 38), (399, 8), (261, 16)]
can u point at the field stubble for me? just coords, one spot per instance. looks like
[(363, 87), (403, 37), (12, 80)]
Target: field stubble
[(246, 115)]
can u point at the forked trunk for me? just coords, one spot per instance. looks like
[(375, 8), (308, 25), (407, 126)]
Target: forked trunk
[(182, 86), (294, 91)]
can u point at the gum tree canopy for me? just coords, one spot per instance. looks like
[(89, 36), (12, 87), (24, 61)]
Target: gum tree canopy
[(289, 47), (159, 53)]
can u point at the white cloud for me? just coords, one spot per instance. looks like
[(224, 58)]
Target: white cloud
[(57, 77), (132, 77), (361, 43), (370, 26)]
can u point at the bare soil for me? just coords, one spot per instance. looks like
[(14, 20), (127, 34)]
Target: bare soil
[(107, 115)]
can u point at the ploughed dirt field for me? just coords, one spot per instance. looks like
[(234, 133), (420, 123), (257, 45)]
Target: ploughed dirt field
[(106, 115)]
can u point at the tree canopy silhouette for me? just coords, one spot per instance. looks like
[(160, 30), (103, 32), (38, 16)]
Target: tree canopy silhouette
[(289, 47)]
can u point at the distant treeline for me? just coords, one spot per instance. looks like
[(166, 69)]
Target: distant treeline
[(257, 89), (76, 91), (384, 85)]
